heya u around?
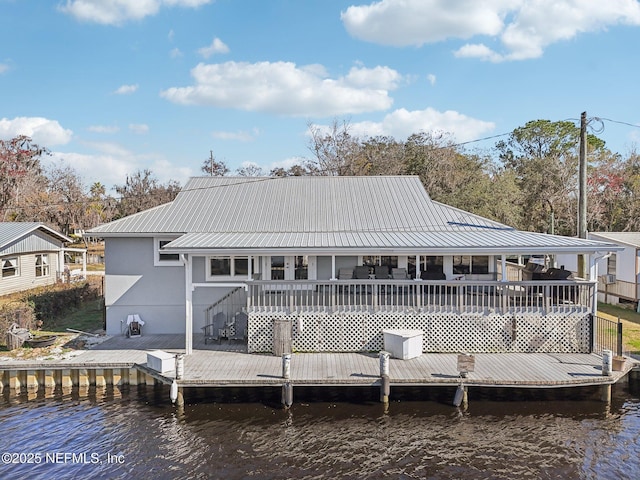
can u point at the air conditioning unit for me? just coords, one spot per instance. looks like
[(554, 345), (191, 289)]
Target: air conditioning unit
[(609, 279)]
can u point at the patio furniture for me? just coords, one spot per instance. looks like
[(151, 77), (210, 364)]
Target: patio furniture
[(216, 329), (134, 325), (381, 272), (241, 324), (361, 272)]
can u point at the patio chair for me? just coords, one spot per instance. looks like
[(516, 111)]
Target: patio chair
[(381, 272), (400, 274), (361, 272), (212, 330), (345, 274), (241, 324), (134, 325)]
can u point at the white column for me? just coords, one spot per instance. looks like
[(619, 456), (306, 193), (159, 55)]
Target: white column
[(188, 281), (249, 268), (418, 272), (503, 259), (593, 277), (84, 264)]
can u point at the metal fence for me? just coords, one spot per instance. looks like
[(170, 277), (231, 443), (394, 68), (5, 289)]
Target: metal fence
[(607, 335)]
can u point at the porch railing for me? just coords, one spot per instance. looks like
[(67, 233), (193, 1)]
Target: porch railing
[(422, 296)]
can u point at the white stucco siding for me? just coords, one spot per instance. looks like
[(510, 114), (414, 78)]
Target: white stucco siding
[(134, 285)]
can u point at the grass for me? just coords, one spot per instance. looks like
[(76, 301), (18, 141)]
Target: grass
[(630, 325), (87, 318)]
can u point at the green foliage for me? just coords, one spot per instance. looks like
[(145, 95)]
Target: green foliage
[(49, 303)]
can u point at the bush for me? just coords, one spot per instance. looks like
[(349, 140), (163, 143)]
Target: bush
[(51, 302), (21, 313)]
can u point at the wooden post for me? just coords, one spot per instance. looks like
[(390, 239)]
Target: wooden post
[(286, 366), (605, 393), (281, 337)]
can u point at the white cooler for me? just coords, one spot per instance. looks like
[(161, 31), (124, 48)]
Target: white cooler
[(403, 344)]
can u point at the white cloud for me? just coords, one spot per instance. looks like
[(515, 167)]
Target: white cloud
[(242, 136), (126, 89), (286, 89), (41, 130), (431, 78), (117, 12), (4, 67), (402, 123), (104, 128), (217, 46), (175, 53), (523, 27), (110, 164), (139, 128)]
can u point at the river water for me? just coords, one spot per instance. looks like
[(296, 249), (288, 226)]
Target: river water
[(138, 434)]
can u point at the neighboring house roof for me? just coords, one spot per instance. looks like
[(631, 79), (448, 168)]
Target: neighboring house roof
[(626, 238), (258, 214), (12, 232)]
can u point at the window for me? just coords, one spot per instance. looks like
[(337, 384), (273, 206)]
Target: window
[(228, 266), (611, 264), (465, 264), (10, 267), (386, 260), (164, 259), (461, 264), (42, 265), (432, 264)]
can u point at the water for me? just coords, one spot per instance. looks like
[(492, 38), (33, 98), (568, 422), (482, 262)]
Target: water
[(138, 434)]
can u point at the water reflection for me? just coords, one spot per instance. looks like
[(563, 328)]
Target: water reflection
[(356, 438)]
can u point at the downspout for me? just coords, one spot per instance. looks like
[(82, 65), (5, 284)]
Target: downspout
[(188, 301)]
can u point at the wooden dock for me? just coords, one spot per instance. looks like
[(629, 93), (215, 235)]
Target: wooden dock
[(228, 365)]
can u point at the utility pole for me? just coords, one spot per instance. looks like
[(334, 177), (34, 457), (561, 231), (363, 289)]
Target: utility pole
[(211, 160), (582, 191)]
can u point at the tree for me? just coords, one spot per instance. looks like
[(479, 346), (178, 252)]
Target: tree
[(334, 149), (67, 197), (19, 158), (293, 171), (214, 168), (250, 170), (142, 191), (543, 156)]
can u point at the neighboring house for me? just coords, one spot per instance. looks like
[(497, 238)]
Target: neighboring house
[(337, 260), (31, 255), (619, 273)]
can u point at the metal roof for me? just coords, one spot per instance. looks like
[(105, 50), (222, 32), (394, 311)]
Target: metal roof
[(10, 232), (628, 238), (314, 212)]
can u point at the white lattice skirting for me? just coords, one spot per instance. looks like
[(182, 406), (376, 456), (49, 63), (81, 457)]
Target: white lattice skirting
[(443, 332)]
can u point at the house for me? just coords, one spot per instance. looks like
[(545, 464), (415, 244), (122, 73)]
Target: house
[(619, 273), (336, 260), (31, 255)]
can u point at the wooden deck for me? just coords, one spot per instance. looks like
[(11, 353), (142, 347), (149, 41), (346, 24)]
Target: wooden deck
[(230, 365)]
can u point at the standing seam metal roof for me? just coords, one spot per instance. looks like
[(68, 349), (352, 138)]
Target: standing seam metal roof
[(322, 212)]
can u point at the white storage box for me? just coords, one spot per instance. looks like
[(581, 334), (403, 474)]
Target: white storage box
[(161, 361), (403, 344)]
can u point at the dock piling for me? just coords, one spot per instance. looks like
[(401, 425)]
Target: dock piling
[(385, 383)]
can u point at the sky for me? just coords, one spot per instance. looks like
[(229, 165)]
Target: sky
[(111, 87)]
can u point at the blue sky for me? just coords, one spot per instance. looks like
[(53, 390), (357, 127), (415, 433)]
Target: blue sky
[(113, 86)]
